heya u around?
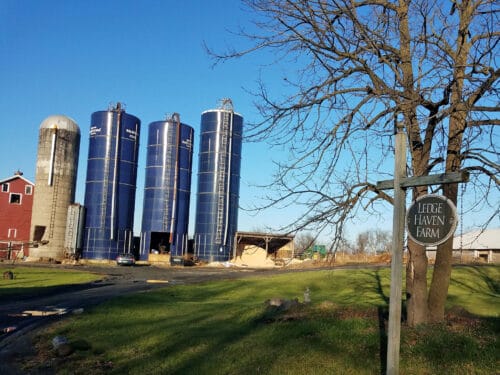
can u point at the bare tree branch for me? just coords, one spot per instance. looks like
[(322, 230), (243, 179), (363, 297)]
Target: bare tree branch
[(358, 67)]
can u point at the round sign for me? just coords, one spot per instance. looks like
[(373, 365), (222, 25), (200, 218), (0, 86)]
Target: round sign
[(431, 220)]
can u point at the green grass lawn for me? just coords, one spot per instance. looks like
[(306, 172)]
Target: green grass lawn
[(34, 280), (225, 327)]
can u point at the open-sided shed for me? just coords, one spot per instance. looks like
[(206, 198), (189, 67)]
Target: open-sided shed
[(276, 245)]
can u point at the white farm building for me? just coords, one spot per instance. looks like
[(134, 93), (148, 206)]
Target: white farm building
[(477, 245)]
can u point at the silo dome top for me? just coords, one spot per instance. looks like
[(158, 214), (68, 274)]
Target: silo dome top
[(60, 122)]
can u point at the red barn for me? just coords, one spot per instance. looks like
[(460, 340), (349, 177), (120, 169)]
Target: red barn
[(16, 202)]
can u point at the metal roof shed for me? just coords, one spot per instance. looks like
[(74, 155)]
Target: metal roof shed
[(272, 243)]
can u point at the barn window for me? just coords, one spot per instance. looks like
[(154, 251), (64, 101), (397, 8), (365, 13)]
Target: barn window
[(28, 190), (5, 188), (15, 198)]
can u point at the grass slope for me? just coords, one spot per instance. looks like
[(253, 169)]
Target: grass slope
[(226, 328), (35, 280)]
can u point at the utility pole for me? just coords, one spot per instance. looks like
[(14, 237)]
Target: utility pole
[(398, 228)]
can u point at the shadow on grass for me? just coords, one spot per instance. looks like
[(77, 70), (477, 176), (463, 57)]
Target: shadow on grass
[(379, 287), (383, 317), (225, 327), (16, 294), (184, 333), (492, 283), (464, 345)]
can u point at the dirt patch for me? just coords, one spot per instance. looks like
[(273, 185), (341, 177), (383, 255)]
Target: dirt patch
[(46, 360), (459, 320)]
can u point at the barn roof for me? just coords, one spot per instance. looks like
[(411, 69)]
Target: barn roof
[(269, 241), (488, 239), (16, 175)]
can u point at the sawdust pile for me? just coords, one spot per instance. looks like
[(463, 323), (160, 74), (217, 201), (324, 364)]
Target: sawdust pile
[(253, 256)]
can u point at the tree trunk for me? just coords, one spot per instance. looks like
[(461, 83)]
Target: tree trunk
[(438, 291), (416, 285), (442, 268), (440, 281)]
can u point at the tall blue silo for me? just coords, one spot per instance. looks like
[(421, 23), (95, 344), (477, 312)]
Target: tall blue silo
[(111, 183), (218, 183), (167, 188)]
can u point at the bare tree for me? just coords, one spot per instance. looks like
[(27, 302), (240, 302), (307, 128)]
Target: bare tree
[(360, 67), (384, 241), (379, 241), (372, 241), (303, 241), (361, 243)]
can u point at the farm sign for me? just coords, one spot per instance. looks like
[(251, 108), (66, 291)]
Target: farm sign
[(431, 220)]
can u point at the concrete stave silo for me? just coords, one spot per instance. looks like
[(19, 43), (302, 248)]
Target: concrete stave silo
[(218, 183), (111, 184), (167, 188), (55, 181)]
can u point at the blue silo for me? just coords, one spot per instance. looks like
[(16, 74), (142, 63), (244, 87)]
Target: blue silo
[(167, 188), (218, 183), (111, 183)]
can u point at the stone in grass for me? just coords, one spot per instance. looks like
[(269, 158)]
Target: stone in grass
[(281, 310), (61, 345), (282, 304), (275, 301)]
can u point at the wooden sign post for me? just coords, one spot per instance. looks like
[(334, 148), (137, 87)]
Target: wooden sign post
[(399, 184), (398, 230)]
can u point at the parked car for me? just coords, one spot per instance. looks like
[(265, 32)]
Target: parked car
[(125, 259)]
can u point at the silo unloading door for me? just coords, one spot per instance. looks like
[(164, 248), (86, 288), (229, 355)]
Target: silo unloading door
[(160, 242), (38, 233)]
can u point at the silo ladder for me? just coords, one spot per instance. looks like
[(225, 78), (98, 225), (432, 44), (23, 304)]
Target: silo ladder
[(221, 176)]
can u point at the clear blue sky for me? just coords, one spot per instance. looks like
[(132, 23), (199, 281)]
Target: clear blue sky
[(75, 57)]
